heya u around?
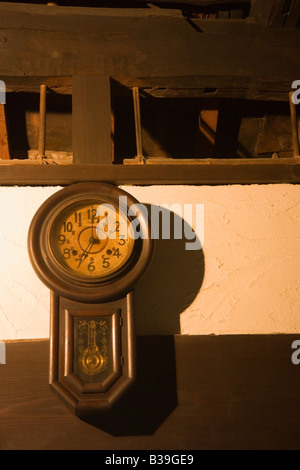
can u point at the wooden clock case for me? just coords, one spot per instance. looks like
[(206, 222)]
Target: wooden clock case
[(108, 303)]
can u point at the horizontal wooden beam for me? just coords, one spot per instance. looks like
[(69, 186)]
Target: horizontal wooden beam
[(168, 87), (239, 171), (31, 84), (158, 50)]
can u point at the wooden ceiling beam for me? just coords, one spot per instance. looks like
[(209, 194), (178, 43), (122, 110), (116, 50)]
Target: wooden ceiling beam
[(208, 171), (167, 87), (159, 52)]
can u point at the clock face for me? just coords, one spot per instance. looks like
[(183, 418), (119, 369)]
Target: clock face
[(84, 246), (91, 239)]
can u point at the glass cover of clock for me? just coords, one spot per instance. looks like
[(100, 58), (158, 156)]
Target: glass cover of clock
[(92, 239)]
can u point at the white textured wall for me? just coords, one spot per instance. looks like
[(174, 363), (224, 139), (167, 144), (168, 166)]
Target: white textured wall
[(251, 264)]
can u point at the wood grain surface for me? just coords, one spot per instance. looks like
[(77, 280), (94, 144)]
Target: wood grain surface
[(193, 392), (135, 46)]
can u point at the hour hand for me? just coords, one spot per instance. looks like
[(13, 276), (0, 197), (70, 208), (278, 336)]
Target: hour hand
[(81, 259)]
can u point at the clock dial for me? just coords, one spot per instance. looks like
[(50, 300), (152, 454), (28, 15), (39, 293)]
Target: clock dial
[(84, 246), (92, 239)]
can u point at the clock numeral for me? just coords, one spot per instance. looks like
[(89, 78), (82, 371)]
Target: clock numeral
[(61, 239), (117, 223), (81, 259), (67, 253), (91, 266), (117, 252), (68, 227), (92, 215), (121, 240), (77, 216), (105, 263)]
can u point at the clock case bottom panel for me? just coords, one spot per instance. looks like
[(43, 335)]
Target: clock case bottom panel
[(92, 352)]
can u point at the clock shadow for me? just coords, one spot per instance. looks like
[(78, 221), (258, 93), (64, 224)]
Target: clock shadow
[(168, 287), (152, 397), (173, 279)]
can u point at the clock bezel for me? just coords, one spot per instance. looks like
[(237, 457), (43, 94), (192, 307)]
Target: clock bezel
[(64, 283), (70, 274)]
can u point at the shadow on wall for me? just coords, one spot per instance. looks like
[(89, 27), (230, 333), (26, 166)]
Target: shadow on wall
[(167, 288), (172, 281)]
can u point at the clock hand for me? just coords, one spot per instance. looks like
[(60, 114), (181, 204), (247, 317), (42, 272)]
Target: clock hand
[(87, 250), (84, 254)]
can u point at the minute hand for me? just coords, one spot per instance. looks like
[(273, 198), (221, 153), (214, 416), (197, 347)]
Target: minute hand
[(85, 253)]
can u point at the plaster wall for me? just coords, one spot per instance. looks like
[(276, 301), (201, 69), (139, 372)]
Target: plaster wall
[(244, 281)]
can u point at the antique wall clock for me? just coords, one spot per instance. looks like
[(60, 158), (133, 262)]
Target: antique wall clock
[(89, 243)]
